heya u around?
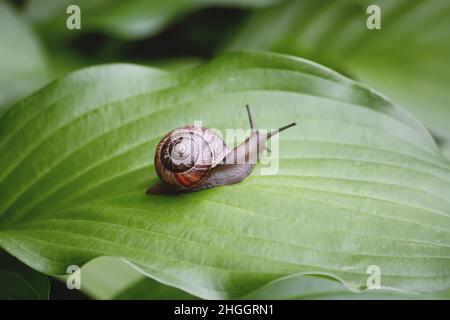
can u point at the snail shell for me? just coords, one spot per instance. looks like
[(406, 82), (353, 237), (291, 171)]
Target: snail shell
[(186, 155)]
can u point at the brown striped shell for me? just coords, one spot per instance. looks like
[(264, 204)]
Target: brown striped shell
[(186, 155)]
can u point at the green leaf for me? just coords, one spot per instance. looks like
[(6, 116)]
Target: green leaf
[(149, 289), (23, 65), (131, 19), (105, 277), (296, 288), (20, 282), (112, 278), (360, 182), (446, 149), (175, 64), (317, 288), (407, 59)]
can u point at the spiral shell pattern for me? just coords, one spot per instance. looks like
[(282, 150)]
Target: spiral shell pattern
[(186, 155)]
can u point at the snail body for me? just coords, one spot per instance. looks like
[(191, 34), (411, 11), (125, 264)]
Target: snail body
[(192, 158)]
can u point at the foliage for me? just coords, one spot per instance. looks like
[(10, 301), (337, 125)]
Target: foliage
[(22, 64), (341, 193), (20, 281), (406, 59), (361, 182)]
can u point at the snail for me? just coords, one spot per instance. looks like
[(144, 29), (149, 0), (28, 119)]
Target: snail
[(193, 158)]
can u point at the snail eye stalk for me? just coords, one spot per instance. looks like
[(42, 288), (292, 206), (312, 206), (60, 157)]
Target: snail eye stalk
[(274, 132), (250, 118)]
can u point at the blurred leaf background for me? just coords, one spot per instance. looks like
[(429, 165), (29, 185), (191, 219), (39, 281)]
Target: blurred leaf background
[(407, 60)]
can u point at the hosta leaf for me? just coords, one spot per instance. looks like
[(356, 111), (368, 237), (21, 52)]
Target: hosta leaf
[(20, 282), (297, 288), (407, 59), (446, 150), (319, 288), (106, 277), (149, 289), (131, 19), (360, 182), (23, 66), (112, 278)]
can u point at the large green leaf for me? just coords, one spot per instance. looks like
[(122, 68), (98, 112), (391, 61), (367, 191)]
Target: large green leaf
[(112, 278), (23, 67), (320, 288), (19, 282), (407, 59), (132, 19), (297, 288), (360, 182)]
